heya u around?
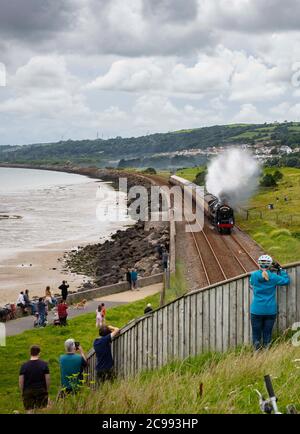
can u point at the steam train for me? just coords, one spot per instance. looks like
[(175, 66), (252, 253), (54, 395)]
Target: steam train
[(218, 212)]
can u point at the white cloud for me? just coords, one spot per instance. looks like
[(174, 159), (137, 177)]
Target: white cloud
[(248, 114), (48, 72), (160, 114), (126, 66), (241, 77)]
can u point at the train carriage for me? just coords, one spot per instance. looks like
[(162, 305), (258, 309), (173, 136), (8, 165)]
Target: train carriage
[(218, 212)]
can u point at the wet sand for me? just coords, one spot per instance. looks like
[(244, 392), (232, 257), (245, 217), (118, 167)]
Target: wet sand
[(46, 269)]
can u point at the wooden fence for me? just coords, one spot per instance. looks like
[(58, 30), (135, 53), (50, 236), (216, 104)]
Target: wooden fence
[(215, 318)]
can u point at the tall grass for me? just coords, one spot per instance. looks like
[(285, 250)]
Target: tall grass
[(229, 382)]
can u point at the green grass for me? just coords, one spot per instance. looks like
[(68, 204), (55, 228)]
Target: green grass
[(278, 230), (51, 339), (228, 380), (189, 173)]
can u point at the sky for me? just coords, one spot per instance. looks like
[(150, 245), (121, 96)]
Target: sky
[(75, 69)]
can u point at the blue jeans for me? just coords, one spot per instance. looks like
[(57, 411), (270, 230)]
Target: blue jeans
[(262, 326), (42, 318)]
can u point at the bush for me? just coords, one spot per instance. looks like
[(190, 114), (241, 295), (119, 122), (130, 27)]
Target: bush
[(150, 171), (268, 181), (277, 175), (200, 178)]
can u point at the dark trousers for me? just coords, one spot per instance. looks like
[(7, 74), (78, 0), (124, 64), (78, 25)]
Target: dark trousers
[(35, 398), (262, 326), (63, 321), (105, 375)]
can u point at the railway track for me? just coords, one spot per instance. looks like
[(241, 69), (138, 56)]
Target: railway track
[(220, 257)]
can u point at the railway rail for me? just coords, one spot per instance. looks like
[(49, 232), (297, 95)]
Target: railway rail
[(220, 257)]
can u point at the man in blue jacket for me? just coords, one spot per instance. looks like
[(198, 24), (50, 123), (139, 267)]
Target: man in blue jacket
[(264, 307)]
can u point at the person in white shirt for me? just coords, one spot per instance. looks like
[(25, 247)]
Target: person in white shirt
[(21, 302)]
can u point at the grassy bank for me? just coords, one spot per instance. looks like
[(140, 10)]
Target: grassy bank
[(277, 230), (228, 382), (51, 339)]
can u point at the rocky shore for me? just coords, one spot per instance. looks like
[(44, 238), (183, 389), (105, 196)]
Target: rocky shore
[(107, 263)]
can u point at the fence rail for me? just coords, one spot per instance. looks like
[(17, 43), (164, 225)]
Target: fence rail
[(215, 318)]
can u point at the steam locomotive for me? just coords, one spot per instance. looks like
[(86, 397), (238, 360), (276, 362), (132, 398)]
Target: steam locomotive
[(218, 212)]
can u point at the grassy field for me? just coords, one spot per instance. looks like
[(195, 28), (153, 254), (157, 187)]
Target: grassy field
[(277, 230), (51, 339), (190, 173), (228, 382)]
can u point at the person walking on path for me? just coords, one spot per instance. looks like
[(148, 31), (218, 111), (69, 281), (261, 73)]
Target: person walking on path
[(72, 364), (34, 381), (62, 311), (128, 276), (134, 279), (264, 307), (42, 311), (165, 259), (102, 347), (64, 290)]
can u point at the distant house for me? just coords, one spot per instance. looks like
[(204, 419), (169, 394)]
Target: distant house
[(285, 149)]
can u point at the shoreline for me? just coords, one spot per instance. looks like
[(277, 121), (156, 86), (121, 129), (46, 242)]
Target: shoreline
[(50, 262), (47, 268)]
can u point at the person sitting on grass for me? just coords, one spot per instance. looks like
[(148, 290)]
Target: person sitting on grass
[(102, 347), (72, 364), (264, 307), (34, 381), (62, 310)]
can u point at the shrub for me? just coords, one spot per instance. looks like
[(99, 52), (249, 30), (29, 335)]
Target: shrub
[(150, 171), (277, 175), (268, 181)]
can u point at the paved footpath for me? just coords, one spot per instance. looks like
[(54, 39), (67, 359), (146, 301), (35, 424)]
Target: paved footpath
[(19, 325)]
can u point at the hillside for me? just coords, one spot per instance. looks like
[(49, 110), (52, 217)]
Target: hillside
[(228, 383), (154, 149)]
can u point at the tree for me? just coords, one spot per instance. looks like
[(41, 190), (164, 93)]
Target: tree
[(268, 181), (277, 175), (150, 171), (200, 178)]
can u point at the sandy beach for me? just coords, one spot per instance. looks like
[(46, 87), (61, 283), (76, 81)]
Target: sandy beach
[(46, 268), (57, 213)]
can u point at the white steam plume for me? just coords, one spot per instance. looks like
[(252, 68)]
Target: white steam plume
[(233, 176)]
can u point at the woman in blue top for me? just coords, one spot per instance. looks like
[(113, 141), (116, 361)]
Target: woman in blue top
[(264, 307)]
